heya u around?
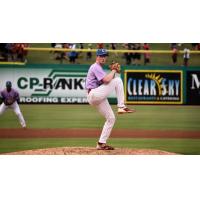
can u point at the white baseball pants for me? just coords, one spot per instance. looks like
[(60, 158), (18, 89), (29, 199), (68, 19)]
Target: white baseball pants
[(98, 98), (16, 109)]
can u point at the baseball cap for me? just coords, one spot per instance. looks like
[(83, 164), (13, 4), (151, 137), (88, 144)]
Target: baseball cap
[(8, 84), (102, 52)]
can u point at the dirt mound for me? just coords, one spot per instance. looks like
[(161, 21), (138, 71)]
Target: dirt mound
[(90, 151)]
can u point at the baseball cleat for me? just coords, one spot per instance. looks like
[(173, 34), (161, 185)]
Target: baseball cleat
[(125, 110), (104, 147)]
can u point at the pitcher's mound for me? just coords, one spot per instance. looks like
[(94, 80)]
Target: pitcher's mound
[(91, 151)]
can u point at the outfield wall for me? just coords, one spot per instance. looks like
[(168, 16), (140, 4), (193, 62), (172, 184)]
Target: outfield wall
[(66, 84)]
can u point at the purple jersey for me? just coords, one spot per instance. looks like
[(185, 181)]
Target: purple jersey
[(95, 76), (9, 97)]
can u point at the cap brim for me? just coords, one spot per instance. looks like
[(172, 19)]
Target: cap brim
[(103, 55)]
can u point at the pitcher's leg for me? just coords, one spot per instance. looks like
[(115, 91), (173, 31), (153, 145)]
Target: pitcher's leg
[(17, 111), (102, 92), (119, 88), (3, 107), (105, 109)]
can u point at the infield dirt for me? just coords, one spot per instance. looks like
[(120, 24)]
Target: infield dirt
[(84, 133)]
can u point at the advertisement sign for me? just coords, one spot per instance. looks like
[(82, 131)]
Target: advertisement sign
[(193, 87), (153, 86), (46, 85)]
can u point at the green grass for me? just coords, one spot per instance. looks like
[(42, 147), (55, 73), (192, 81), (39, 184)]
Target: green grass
[(180, 146), (85, 116), (46, 57)]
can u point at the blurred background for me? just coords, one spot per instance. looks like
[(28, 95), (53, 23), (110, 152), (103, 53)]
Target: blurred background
[(19, 52)]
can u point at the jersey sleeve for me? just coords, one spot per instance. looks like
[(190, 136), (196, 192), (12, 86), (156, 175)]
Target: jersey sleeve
[(16, 96), (99, 73)]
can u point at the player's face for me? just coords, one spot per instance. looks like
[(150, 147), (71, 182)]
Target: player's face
[(101, 59), (8, 88)]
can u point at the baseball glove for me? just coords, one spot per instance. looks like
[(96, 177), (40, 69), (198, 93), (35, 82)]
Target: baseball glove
[(9, 102), (115, 66)]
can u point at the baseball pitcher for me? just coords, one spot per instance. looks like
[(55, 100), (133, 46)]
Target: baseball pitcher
[(10, 98), (99, 85)]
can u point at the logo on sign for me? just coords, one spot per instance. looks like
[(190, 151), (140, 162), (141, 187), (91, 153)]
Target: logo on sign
[(56, 80), (195, 82), (153, 85)]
